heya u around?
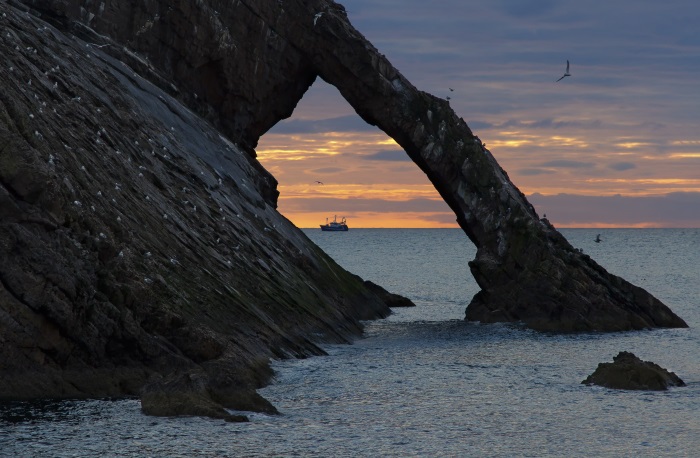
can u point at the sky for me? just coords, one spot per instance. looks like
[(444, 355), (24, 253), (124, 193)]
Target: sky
[(616, 144)]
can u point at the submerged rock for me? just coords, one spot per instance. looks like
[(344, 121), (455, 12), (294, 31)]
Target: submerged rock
[(628, 372), (390, 299), (183, 394)]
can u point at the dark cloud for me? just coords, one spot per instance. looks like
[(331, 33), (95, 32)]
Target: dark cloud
[(349, 123), (622, 166), (669, 210), (441, 218), (550, 123), (388, 155), (533, 172), (327, 170), (564, 164), (526, 8), (480, 125), (558, 124), (322, 204)]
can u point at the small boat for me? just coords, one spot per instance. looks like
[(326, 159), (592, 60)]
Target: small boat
[(335, 226)]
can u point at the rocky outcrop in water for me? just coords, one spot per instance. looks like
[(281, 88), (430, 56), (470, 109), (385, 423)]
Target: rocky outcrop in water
[(139, 235), (189, 393), (390, 299), (628, 372)]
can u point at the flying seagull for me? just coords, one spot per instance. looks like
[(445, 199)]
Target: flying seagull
[(451, 90), (565, 73), (319, 182)]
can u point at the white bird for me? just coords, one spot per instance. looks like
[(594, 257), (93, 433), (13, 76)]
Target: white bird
[(566, 73), (318, 15)]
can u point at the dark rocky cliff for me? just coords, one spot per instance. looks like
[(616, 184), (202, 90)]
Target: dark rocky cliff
[(135, 238)]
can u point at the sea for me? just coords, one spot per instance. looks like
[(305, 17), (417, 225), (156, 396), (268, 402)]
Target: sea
[(425, 383)]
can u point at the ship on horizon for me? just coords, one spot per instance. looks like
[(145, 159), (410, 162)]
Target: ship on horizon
[(335, 225)]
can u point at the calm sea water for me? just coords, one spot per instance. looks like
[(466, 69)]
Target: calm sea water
[(425, 383)]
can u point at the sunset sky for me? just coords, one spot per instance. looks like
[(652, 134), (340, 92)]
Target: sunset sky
[(617, 144)]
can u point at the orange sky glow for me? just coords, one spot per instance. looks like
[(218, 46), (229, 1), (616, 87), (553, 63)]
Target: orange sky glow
[(614, 145), (354, 182)]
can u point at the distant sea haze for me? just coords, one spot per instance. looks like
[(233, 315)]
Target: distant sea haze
[(424, 382)]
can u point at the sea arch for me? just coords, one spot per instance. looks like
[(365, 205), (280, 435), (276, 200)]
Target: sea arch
[(244, 66), (526, 269), (330, 162)]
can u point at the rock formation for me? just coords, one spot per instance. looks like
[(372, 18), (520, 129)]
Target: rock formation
[(390, 299), (138, 233), (527, 270), (137, 241), (628, 372), (251, 62)]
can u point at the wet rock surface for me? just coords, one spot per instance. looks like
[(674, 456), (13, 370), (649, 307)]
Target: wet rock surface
[(139, 235), (628, 372), (390, 299), (184, 394), (137, 241)]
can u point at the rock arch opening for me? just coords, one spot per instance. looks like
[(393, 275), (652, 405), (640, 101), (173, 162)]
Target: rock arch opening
[(527, 271), (328, 162)]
